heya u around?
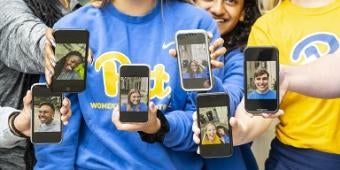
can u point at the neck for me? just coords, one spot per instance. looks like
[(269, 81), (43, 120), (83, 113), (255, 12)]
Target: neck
[(134, 7), (262, 92), (312, 3)]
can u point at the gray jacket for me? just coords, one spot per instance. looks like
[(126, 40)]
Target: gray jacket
[(21, 54)]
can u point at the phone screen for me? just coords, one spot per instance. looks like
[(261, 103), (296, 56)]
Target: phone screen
[(262, 79), (193, 59), (213, 117), (46, 122), (70, 54), (134, 93)]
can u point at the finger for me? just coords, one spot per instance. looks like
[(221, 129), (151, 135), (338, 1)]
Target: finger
[(194, 117), (198, 150), (210, 35), (96, 3), (49, 36), (90, 57), (196, 139), (273, 115), (173, 52), (219, 52), (233, 122), (216, 44), (216, 64)]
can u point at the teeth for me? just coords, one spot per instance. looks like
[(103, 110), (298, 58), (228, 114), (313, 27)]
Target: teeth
[(219, 20)]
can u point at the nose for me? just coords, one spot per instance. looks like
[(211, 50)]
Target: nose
[(217, 8)]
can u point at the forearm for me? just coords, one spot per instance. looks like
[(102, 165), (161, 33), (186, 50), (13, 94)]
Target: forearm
[(7, 138), (23, 37), (318, 79)]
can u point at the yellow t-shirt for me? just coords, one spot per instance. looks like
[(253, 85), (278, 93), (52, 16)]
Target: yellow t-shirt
[(303, 35)]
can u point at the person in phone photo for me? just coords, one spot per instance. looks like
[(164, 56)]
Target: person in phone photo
[(46, 116), (66, 67), (210, 136), (195, 70), (262, 91), (222, 133), (134, 103)]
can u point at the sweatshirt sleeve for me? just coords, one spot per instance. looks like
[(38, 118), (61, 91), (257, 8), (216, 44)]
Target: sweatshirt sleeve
[(62, 156), (179, 137), (7, 138), (21, 37), (233, 83)]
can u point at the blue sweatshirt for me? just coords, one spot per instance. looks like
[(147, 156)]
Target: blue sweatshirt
[(91, 141)]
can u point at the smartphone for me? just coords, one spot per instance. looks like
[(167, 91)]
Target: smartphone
[(194, 60), (213, 120), (134, 93), (261, 70), (71, 62), (46, 123)]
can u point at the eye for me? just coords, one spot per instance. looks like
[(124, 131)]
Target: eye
[(230, 2)]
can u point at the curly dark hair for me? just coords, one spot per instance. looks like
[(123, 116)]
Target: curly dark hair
[(48, 11), (238, 37)]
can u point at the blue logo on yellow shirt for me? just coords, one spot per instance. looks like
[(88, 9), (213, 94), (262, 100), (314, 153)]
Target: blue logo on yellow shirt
[(314, 46)]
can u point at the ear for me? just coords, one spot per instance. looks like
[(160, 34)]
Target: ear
[(243, 13)]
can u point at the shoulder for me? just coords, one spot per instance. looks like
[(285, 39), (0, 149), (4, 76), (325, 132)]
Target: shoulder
[(80, 17), (187, 11), (272, 18)]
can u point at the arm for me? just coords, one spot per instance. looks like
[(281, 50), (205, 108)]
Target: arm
[(21, 37), (318, 79)]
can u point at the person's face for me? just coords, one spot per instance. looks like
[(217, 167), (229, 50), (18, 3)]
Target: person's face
[(261, 82), (193, 67), (72, 62), (221, 132), (45, 114), (227, 13), (135, 98), (211, 131)]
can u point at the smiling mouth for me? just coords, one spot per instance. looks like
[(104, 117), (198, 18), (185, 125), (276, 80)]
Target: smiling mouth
[(220, 20)]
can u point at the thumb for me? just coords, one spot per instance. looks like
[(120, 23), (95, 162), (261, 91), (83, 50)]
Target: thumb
[(27, 101)]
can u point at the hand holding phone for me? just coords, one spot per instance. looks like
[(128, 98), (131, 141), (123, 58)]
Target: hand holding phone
[(71, 53), (134, 93), (261, 68), (194, 60), (213, 120), (46, 123)]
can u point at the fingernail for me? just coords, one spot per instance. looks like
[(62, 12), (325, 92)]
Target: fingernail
[(53, 43)]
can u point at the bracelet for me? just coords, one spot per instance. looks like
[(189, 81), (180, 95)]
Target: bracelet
[(12, 127), (160, 134)]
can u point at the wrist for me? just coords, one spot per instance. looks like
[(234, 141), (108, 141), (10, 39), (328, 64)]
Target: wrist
[(153, 127), (12, 126), (159, 132)]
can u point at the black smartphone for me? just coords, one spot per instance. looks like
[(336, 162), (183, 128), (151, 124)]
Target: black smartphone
[(194, 60), (71, 62), (213, 120), (134, 93), (46, 123), (261, 70)]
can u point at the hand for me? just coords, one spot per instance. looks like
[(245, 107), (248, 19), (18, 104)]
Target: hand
[(150, 127), (23, 120), (242, 130), (216, 49), (50, 59), (196, 130), (97, 3)]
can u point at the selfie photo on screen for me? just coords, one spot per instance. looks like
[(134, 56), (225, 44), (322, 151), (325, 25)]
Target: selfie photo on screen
[(214, 125), (70, 61), (134, 92), (47, 115), (261, 82)]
